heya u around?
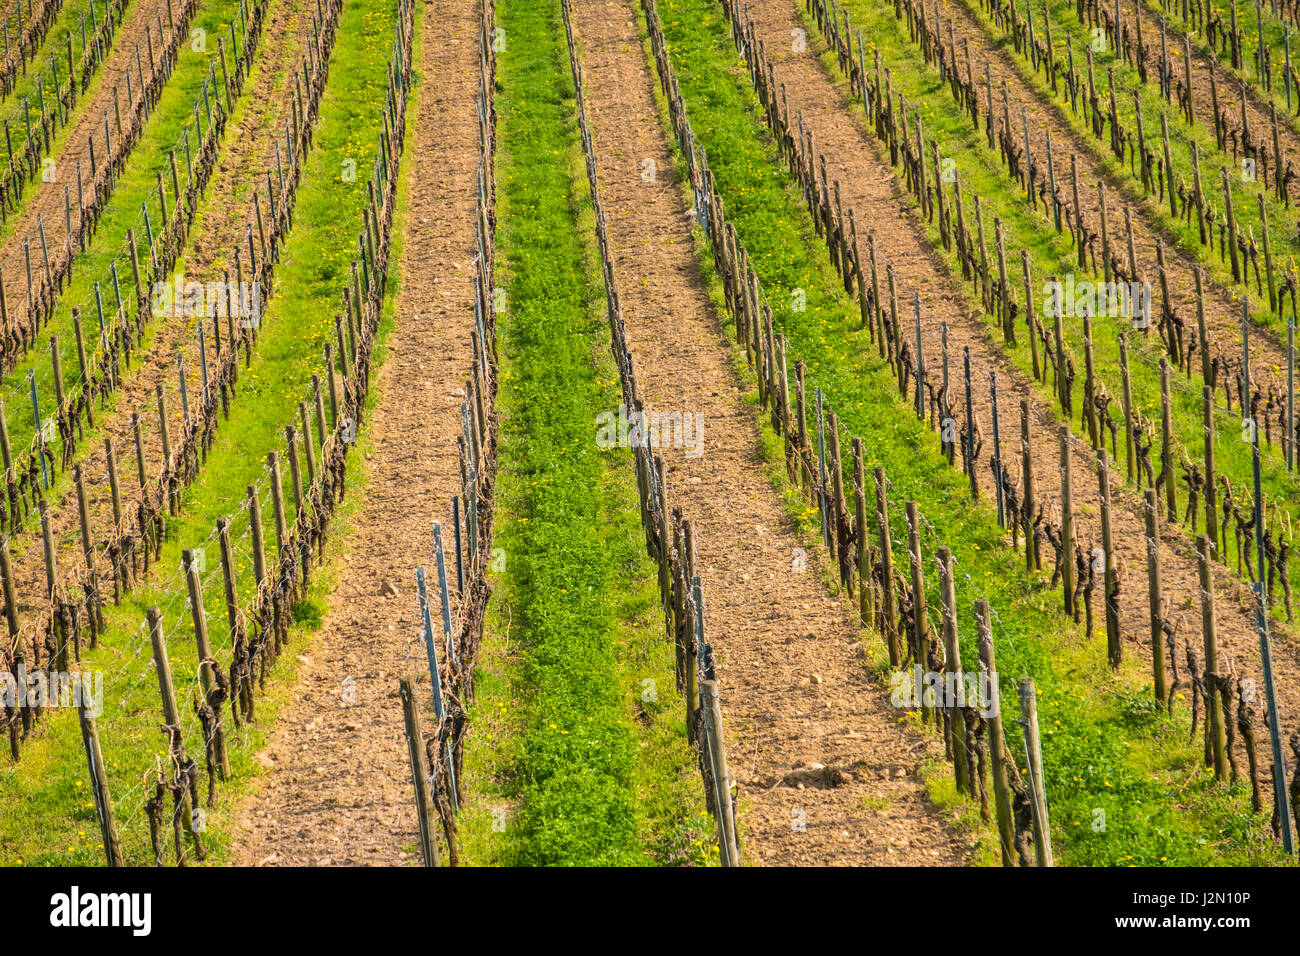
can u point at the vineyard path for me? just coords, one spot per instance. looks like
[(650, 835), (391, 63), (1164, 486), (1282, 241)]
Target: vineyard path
[(337, 783)]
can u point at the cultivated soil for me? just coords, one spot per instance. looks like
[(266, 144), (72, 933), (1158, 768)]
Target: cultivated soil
[(337, 783)]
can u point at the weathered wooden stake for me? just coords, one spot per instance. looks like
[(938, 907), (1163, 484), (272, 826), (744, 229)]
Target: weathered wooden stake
[(1155, 601), (887, 569), (711, 707), (1067, 519), (208, 667), (1034, 761), (955, 702), (997, 744), (920, 615), (424, 809), (99, 789), (1209, 633), (172, 727)]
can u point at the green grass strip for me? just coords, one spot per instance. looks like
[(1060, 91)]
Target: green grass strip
[(1106, 747), (591, 787)]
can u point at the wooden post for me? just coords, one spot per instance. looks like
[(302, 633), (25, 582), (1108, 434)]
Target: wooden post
[(1209, 632), (322, 433), (11, 619), (277, 503), (1238, 273), (1080, 246), (920, 615), (1130, 448), (56, 369), (237, 693), (1008, 326), (171, 725), (1063, 387), (997, 744), (1067, 519), (424, 809), (1198, 195), (207, 665), (1202, 332), (1211, 514), (970, 427), (1169, 166), (139, 448), (838, 505), (1105, 233), (1273, 304), (88, 553), (1034, 761), (114, 488), (1029, 313), (1155, 601), (712, 712), (864, 568), (52, 585), (82, 363), (1028, 493), (166, 447), (695, 619), (99, 789), (331, 379), (255, 534), (1114, 647), (1089, 387), (1291, 388), (887, 568), (1167, 463), (955, 702), (7, 451), (308, 446)]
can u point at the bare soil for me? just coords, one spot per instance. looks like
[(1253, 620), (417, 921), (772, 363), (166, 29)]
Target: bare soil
[(337, 785)]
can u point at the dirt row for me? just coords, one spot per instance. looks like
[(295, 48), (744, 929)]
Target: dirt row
[(796, 694), (337, 787), (872, 189)]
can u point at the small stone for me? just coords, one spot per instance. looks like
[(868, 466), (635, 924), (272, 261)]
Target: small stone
[(387, 589)]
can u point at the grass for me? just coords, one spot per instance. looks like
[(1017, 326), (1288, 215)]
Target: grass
[(47, 819), (1160, 807), (595, 770)]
